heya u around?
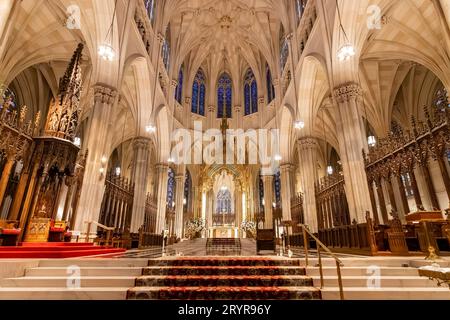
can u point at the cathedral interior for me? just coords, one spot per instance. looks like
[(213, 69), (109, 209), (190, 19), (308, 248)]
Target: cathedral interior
[(225, 149)]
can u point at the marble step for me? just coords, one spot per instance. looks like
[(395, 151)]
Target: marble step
[(224, 293), (224, 270), (364, 271), (84, 271), (224, 281), (221, 261), (67, 282), (99, 262), (384, 282), (44, 293), (364, 293)]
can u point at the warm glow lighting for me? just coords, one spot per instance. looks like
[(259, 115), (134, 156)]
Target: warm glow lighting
[(184, 201), (104, 159), (118, 171), (274, 205), (171, 160), (102, 170), (263, 202), (77, 142), (346, 52), (278, 157), (299, 125), (106, 52), (150, 129), (372, 141), (224, 188), (330, 170)]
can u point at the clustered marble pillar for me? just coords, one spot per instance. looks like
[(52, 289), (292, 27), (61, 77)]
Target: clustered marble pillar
[(141, 148), (286, 191), (179, 212), (268, 201), (94, 181), (162, 181), (307, 155), (352, 142)]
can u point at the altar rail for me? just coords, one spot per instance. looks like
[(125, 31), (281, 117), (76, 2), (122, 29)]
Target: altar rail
[(397, 158)]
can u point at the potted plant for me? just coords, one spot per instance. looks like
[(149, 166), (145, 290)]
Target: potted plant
[(194, 228), (249, 227)]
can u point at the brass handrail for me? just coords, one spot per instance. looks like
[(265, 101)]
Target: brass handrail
[(108, 229), (320, 244)]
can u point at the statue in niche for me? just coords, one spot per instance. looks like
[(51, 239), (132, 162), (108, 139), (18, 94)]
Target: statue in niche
[(53, 121), (64, 122)]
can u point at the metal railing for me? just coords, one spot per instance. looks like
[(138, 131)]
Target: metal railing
[(320, 247), (107, 229)]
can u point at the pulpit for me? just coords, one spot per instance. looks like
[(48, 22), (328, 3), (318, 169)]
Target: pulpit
[(429, 226)]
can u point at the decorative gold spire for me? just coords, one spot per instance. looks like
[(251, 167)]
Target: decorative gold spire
[(64, 111)]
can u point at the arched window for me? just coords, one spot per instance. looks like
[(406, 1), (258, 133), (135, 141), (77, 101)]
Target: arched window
[(199, 93), (224, 96), (8, 97), (187, 188), (300, 6), (250, 93), (166, 49), (270, 87), (277, 188), (171, 188), (179, 89), (224, 200), (150, 7)]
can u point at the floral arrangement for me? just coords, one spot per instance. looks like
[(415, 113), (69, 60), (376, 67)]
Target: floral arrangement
[(249, 227), (194, 227)]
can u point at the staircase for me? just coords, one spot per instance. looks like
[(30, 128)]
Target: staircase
[(224, 279)]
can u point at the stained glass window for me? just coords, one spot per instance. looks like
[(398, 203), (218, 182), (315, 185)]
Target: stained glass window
[(300, 6), (270, 87), (250, 93), (284, 53), (150, 7), (223, 205), (224, 96), (8, 98), (406, 178), (179, 89), (187, 188), (199, 93), (277, 188), (171, 188), (261, 192)]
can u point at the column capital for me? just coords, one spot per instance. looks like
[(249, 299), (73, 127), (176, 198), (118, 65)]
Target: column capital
[(162, 166), (141, 143), (174, 83), (179, 178), (161, 38), (104, 94), (286, 167), (188, 100), (237, 109), (211, 108), (307, 143), (347, 92)]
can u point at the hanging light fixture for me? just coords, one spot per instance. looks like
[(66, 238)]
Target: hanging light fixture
[(150, 129), (330, 170), (77, 142), (299, 125), (118, 171), (106, 50), (347, 51), (372, 141)]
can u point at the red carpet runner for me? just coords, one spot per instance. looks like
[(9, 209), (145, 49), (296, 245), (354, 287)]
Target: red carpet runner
[(224, 279), (54, 250)]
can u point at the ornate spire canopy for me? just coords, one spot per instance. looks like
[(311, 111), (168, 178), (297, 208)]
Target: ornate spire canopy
[(64, 111)]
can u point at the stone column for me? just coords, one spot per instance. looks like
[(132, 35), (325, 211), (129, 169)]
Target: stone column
[(268, 199), (286, 189), (179, 207), (141, 147), (161, 191), (307, 155), (97, 138), (352, 142)]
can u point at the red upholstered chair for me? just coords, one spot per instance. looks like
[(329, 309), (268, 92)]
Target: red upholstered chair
[(57, 231), (9, 234)]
